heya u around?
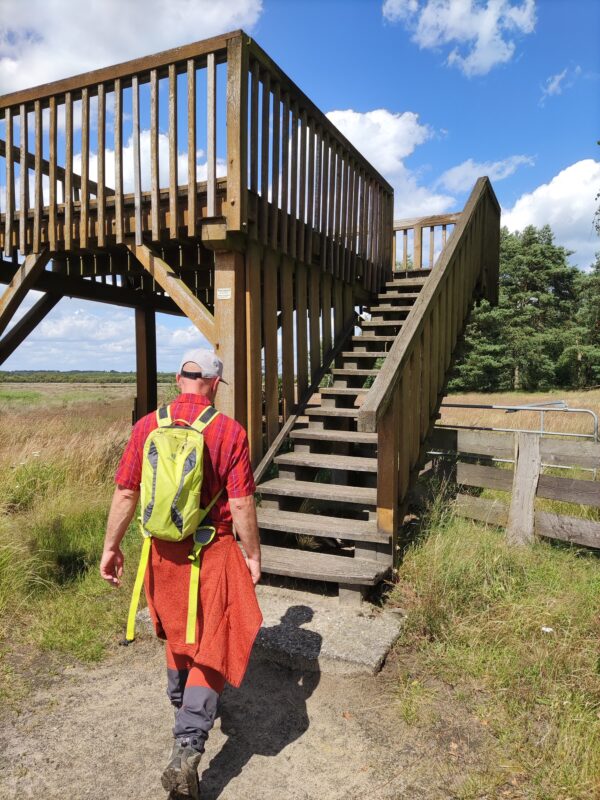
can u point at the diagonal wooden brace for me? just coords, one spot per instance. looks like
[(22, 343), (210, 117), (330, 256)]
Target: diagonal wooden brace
[(27, 323), (177, 290), (23, 280)]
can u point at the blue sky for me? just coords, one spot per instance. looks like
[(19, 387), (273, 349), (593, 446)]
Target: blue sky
[(434, 92)]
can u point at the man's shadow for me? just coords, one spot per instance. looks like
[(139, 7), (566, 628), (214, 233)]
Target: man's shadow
[(268, 712)]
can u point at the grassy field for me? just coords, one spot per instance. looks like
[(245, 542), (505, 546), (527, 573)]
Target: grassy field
[(511, 634)]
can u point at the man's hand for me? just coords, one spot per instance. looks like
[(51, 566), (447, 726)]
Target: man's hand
[(254, 567), (111, 566)]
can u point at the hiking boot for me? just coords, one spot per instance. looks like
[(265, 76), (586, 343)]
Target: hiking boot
[(180, 776)]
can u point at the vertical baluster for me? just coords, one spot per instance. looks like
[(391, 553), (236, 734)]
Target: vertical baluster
[(287, 335), (38, 198), (417, 247), (338, 210), (405, 248), (273, 226), (119, 161), (23, 182), (270, 341), (310, 192), (10, 185), (294, 183), (101, 195), (353, 244), (173, 178), (316, 222), (314, 316), (264, 160), (154, 156), (331, 210), (191, 109), (302, 187), (344, 218), (301, 343), (326, 305), (285, 171), (137, 171), (324, 203), (444, 234), (85, 168), (68, 188), (431, 245), (211, 136), (254, 127)]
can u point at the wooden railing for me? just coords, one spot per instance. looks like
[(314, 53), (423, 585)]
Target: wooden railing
[(408, 242), (313, 195), (404, 398), (272, 164)]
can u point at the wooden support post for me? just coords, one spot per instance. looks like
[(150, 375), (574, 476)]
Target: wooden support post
[(237, 132), (23, 280), (253, 347), (230, 332), (145, 357), (521, 516), (27, 323)]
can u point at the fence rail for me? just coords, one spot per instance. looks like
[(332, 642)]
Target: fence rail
[(473, 454)]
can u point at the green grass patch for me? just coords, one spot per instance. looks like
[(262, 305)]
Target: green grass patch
[(516, 631), (19, 396)]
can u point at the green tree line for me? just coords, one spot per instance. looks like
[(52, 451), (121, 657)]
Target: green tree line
[(545, 331)]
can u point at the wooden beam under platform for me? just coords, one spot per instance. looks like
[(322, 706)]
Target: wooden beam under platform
[(27, 323), (21, 282), (82, 289), (180, 293)]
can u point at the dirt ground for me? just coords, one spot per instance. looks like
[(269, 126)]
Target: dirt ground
[(104, 732)]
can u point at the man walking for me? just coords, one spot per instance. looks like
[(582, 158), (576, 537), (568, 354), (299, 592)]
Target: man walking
[(228, 617)]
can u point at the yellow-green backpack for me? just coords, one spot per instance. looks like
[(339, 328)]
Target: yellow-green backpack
[(172, 474)]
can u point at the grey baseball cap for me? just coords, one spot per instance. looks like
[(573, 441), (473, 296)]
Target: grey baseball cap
[(209, 362)]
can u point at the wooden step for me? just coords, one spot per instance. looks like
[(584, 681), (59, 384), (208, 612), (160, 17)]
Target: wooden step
[(373, 338), (411, 272), (332, 492), (331, 411), (387, 309), (420, 281), (319, 525), (354, 373), (341, 391), (390, 295), (327, 461), (327, 435), (382, 323), (364, 354), (321, 566)]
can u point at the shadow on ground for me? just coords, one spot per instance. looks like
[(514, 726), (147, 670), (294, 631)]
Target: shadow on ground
[(264, 716)]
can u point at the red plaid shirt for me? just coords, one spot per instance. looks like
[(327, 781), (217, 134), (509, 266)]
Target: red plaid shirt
[(226, 457)]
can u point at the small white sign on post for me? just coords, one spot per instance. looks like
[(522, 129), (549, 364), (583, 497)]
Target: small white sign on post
[(224, 293)]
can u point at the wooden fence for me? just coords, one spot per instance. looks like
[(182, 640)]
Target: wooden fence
[(480, 458)]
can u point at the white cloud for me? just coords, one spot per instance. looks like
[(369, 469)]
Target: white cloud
[(386, 139), (481, 32), (566, 203), (556, 84), (462, 177), (44, 40)]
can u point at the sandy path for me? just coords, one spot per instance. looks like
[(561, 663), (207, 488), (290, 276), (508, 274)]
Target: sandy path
[(104, 732)]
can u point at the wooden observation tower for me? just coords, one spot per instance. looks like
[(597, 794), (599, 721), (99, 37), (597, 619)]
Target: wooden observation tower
[(203, 182)]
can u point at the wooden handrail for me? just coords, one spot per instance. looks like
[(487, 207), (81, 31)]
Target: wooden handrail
[(378, 398), (123, 71)]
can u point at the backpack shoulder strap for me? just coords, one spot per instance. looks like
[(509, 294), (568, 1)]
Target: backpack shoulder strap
[(163, 416), (205, 418)]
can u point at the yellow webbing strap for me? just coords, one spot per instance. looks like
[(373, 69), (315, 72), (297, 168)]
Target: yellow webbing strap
[(192, 615), (137, 588)]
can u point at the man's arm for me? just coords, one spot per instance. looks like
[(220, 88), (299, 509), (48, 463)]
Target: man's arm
[(243, 513), (121, 512)]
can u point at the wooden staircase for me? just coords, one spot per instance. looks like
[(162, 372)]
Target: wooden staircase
[(326, 488), (333, 495)]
